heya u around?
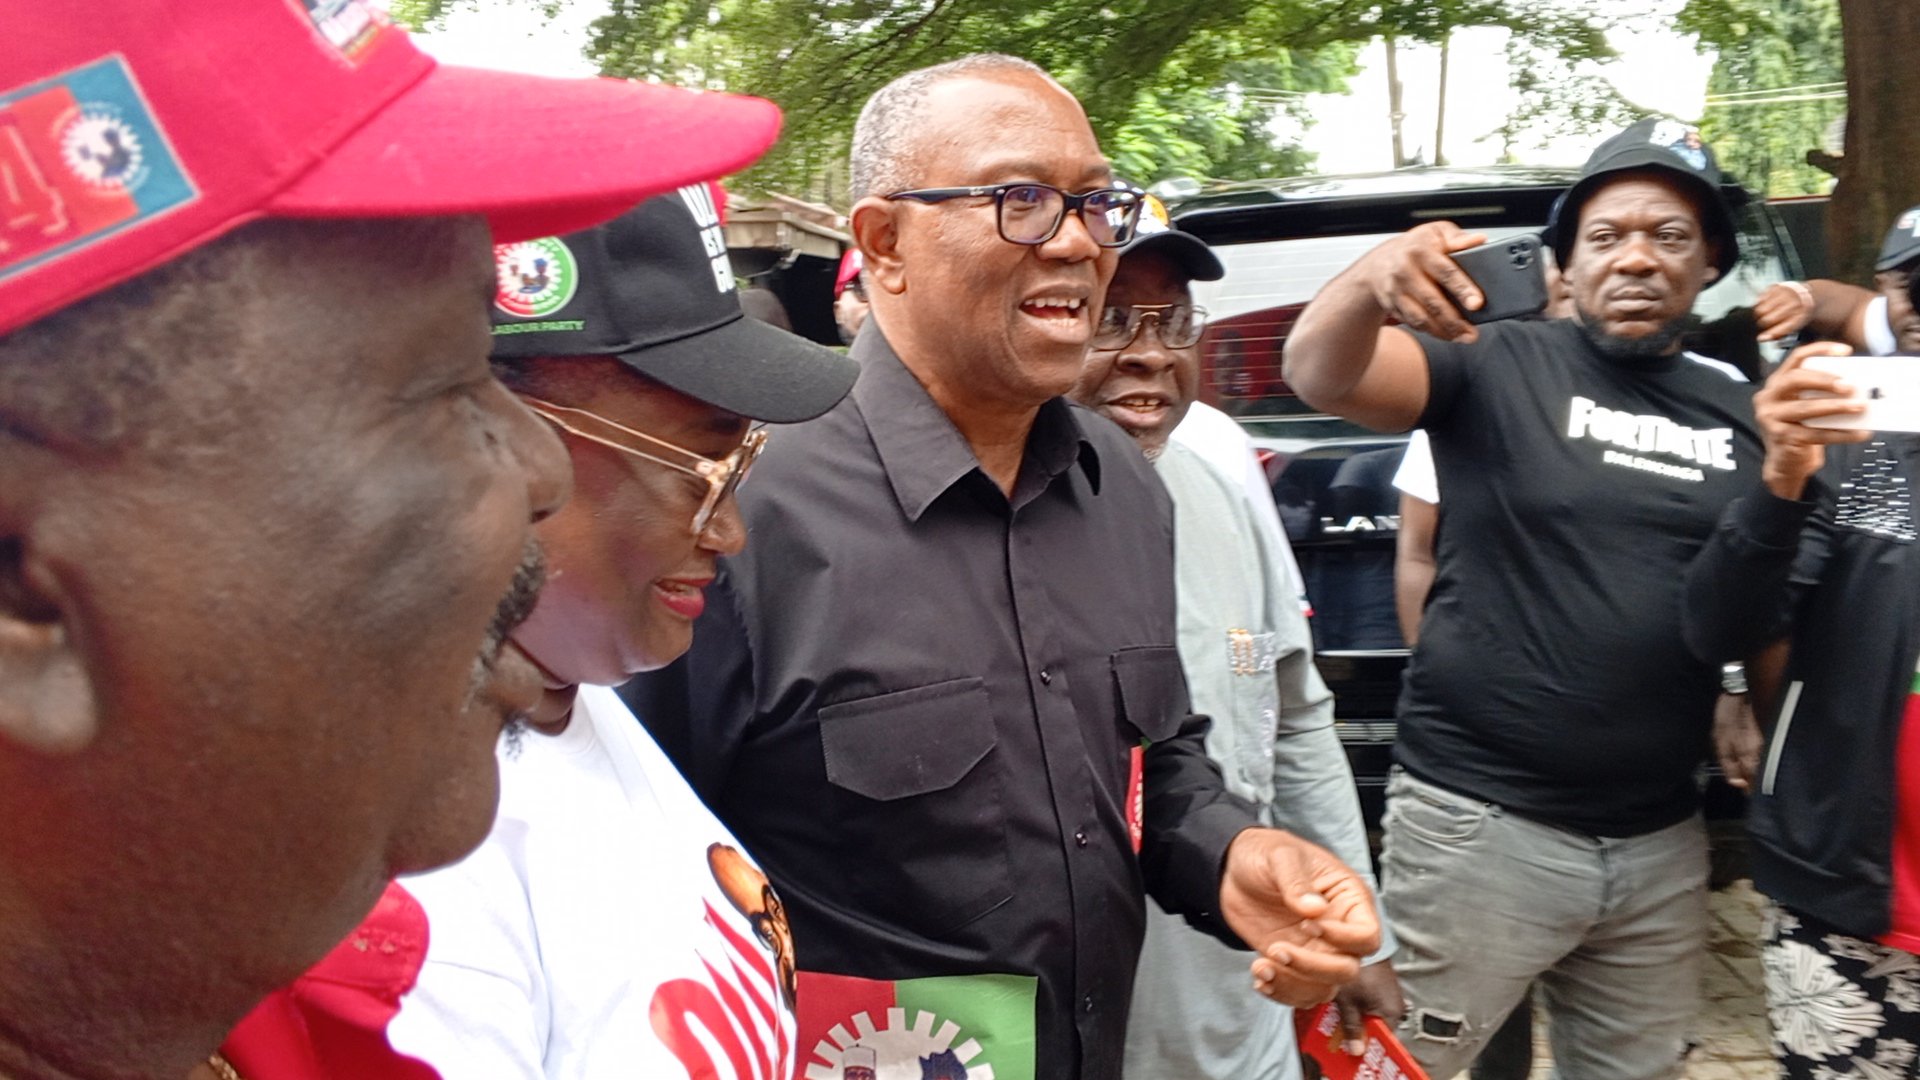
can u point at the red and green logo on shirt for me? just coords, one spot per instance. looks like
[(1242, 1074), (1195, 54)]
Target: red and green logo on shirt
[(962, 1027)]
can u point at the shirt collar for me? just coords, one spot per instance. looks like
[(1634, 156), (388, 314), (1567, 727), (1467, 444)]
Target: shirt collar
[(924, 454)]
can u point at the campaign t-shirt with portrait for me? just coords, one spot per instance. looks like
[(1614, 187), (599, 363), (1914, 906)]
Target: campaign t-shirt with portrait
[(1551, 677), (609, 927)]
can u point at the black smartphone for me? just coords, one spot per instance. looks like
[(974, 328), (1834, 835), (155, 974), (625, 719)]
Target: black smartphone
[(1511, 277)]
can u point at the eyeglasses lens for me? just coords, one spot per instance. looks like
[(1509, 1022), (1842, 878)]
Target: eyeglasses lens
[(1179, 326), (1029, 214)]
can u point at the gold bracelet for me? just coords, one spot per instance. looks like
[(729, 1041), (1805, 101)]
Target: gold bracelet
[(222, 1068)]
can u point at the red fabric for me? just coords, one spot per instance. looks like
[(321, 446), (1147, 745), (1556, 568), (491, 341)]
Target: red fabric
[(1905, 931), (278, 107), (331, 1024)]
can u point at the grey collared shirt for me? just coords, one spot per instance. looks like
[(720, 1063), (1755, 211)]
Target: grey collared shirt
[(917, 702)]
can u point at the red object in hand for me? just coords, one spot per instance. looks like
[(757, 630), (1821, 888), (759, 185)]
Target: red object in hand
[(1385, 1058)]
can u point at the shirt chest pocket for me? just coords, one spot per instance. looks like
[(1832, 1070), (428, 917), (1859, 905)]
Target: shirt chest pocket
[(1151, 690), (920, 799)]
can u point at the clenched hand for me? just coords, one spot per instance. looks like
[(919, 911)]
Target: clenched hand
[(1307, 915)]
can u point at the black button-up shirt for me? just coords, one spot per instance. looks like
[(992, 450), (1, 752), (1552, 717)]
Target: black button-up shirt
[(916, 700)]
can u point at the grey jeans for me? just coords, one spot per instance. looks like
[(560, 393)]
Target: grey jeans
[(1485, 903)]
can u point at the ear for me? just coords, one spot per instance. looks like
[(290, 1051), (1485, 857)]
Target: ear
[(1713, 273), (876, 230), (47, 704)]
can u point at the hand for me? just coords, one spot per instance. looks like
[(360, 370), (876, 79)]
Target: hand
[(1785, 308), (1309, 917), (1737, 741), (1376, 992), (1794, 450), (1413, 279)]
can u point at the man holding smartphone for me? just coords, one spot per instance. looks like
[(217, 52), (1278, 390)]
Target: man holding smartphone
[(1824, 554), (1543, 821)]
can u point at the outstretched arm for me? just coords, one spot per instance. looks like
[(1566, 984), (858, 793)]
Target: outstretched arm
[(1342, 357)]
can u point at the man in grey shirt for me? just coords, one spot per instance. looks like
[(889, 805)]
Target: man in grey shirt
[(1248, 657)]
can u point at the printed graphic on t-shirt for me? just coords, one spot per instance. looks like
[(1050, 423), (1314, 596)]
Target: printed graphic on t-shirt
[(1650, 434), (1874, 496), (733, 1025), (962, 1027)]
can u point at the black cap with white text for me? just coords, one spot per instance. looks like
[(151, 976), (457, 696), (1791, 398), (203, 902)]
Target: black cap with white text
[(654, 288)]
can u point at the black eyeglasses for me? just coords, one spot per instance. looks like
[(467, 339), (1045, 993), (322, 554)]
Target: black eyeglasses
[(1179, 325), (1031, 214)]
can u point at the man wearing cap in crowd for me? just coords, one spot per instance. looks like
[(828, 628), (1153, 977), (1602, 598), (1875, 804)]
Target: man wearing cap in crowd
[(1892, 324), (1820, 552), (608, 917), (1543, 819), (936, 693), (265, 516), (1248, 657)]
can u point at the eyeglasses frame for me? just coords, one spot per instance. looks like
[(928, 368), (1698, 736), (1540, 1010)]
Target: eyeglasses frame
[(1070, 204), (1139, 321), (723, 476)]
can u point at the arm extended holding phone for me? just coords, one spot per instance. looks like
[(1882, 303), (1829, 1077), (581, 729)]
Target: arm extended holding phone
[(1344, 359)]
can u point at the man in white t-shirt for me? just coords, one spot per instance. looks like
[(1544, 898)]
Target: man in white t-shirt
[(1890, 324)]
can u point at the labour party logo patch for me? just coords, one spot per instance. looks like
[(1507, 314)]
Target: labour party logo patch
[(103, 150), (535, 277), (970, 1027), (82, 157)]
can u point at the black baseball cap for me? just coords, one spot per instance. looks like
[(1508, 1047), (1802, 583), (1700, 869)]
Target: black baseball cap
[(654, 288), (1652, 143), (1902, 245), (1156, 233)]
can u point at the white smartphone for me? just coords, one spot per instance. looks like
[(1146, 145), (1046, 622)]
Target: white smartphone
[(1889, 386)]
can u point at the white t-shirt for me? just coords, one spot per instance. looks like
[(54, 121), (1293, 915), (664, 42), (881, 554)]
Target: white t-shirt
[(590, 936), (1415, 476), (1879, 329)]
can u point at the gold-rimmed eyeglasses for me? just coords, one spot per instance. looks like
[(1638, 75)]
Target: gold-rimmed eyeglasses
[(722, 475)]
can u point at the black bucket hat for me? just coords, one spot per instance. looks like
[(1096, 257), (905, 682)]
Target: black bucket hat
[(1653, 143)]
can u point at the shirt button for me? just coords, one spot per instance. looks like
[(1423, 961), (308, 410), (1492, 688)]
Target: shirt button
[(1080, 837), (1086, 1003), (1046, 677)]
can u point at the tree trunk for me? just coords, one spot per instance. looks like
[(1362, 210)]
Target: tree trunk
[(1440, 124), (1880, 175), (1394, 112)]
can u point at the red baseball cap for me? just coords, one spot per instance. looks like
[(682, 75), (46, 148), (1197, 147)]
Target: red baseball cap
[(132, 132)]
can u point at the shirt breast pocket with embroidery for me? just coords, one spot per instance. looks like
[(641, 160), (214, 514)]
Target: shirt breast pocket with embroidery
[(920, 802)]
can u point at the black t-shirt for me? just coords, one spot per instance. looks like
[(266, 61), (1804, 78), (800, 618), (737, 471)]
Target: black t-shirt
[(1551, 677)]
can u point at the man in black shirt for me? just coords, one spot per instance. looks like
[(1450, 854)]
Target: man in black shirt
[(1544, 820), (939, 696)]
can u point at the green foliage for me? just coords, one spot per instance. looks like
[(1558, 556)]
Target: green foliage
[(1791, 47), (1555, 99), (1172, 87)]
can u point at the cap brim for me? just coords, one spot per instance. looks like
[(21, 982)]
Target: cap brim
[(536, 156), (1895, 258), (1187, 250), (748, 367)]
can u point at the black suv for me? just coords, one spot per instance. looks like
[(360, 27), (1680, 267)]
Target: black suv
[(1333, 480)]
